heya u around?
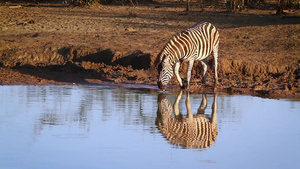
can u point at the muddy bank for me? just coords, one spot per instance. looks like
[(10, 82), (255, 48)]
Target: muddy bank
[(84, 65), (258, 55)]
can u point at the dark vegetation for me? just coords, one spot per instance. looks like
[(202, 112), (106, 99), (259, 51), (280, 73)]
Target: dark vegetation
[(231, 5)]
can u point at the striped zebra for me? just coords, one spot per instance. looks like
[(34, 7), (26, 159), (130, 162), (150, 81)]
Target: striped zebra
[(192, 131), (194, 43)]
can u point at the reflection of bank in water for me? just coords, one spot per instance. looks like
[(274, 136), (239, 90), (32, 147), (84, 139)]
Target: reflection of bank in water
[(192, 131)]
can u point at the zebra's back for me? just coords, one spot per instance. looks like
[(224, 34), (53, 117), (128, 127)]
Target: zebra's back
[(206, 38), (196, 42)]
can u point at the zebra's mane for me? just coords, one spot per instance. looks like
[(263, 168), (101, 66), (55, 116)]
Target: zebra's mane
[(158, 59)]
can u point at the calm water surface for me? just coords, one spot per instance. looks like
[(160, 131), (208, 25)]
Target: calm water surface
[(100, 127)]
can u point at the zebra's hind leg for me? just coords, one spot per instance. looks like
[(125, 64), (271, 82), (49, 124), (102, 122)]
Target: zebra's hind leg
[(203, 104), (204, 71), (215, 53)]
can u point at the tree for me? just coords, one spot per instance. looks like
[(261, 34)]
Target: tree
[(188, 5)]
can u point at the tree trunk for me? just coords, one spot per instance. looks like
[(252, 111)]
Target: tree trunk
[(232, 5), (280, 7), (188, 5)]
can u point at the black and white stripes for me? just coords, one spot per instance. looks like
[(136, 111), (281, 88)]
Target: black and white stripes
[(190, 130), (194, 43)]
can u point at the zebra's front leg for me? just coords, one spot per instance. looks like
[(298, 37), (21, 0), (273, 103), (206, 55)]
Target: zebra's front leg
[(176, 105), (176, 72), (189, 73), (204, 66)]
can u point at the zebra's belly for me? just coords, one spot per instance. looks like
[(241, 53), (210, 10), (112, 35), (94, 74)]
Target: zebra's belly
[(201, 57), (198, 58)]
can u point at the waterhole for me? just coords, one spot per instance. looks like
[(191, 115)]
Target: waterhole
[(111, 127)]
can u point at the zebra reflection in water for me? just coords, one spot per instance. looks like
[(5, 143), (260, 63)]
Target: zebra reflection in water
[(192, 131)]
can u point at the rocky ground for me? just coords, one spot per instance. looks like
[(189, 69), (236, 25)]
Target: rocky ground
[(117, 45)]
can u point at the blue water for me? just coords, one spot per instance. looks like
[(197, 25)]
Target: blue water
[(103, 127)]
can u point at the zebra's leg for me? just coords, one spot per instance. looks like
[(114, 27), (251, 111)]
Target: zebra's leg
[(189, 73), (215, 50), (188, 107), (176, 105), (203, 104), (204, 71), (176, 72), (214, 111)]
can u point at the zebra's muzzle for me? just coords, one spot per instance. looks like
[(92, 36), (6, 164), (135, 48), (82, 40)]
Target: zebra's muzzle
[(160, 85)]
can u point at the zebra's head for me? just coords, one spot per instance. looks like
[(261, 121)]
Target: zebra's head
[(165, 71)]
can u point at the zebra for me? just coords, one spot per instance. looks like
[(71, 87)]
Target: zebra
[(194, 43), (192, 131)]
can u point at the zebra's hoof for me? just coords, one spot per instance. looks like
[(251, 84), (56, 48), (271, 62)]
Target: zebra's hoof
[(184, 87)]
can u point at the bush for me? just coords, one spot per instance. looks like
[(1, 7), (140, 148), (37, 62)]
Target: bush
[(83, 2)]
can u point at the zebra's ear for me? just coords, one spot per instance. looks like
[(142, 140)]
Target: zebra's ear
[(160, 58), (165, 57)]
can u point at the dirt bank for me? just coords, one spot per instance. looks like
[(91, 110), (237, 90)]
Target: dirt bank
[(46, 44)]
